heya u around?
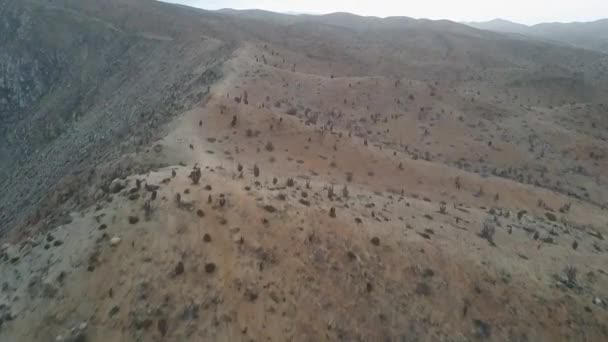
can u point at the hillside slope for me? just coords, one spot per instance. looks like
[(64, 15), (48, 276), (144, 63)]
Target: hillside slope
[(77, 90), (331, 183)]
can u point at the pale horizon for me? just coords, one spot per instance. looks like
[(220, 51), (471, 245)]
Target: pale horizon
[(528, 12)]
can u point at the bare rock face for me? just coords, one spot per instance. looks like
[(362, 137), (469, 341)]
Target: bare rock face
[(49, 288), (6, 314), (118, 185), (10, 253), (115, 241)]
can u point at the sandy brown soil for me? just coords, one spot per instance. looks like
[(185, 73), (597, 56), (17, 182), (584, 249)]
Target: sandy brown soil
[(358, 227)]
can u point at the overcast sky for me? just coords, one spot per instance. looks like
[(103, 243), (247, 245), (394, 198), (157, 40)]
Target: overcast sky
[(522, 11)]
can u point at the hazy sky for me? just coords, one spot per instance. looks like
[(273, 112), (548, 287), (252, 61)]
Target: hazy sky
[(522, 11)]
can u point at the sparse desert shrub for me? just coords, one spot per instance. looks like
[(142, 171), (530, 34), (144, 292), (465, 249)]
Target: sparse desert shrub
[(332, 212), (239, 168), (292, 111), (349, 177), (269, 147), (147, 210), (488, 230), (442, 208), (330, 192), (195, 174), (290, 182), (570, 272), (233, 122), (457, 183), (256, 170), (269, 208), (345, 191), (423, 289)]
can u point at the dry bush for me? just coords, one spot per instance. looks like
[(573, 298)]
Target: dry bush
[(488, 230), (147, 210), (457, 183), (345, 192), (570, 272), (442, 208), (195, 174), (349, 177)]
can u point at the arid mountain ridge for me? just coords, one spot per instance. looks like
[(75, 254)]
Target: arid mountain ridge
[(175, 174), (589, 35)]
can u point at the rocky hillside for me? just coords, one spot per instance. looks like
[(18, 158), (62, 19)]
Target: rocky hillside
[(240, 176), (77, 91)]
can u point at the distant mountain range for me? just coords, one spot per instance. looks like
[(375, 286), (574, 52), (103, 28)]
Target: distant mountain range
[(589, 35)]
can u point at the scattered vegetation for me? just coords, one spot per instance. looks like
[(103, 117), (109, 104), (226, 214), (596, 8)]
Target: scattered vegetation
[(488, 229), (195, 174)]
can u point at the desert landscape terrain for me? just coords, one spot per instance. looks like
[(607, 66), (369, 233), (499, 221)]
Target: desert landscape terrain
[(175, 174)]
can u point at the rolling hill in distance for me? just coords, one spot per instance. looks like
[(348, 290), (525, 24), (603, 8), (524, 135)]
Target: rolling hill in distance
[(588, 35)]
